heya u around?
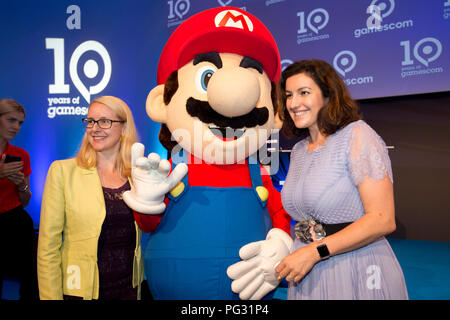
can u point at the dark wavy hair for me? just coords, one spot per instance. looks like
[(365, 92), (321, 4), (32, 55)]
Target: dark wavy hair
[(340, 110)]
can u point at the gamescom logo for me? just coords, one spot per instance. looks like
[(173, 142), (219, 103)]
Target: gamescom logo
[(378, 10), (315, 21), (382, 8), (344, 62), (86, 74), (286, 63), (90, 71), (425, 51), (177, 10)]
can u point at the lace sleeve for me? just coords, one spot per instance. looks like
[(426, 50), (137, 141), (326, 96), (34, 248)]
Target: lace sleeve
[(367, 155)]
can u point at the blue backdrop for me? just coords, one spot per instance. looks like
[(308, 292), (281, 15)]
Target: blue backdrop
[(57, 56)]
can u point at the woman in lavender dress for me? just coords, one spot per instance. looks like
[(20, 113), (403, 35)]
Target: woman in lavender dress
[(339, 189)]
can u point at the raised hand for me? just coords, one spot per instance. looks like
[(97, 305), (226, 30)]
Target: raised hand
[(151, 181)]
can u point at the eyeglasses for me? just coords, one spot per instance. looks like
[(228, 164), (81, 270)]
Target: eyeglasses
[(102, 123)]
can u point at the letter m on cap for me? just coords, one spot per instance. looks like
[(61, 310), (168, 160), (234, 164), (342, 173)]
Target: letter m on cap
[(234, 19)]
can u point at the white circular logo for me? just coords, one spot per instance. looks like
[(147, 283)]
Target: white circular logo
[(90, 68), (423, 50), (285, 63), (317, 19), (383, 7), (344, 62), (233, 19)]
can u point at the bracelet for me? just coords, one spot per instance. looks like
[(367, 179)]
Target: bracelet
[(24, 189)]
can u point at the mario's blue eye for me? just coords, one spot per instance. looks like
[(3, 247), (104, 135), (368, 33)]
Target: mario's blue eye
[(202, 78), (206, 75)]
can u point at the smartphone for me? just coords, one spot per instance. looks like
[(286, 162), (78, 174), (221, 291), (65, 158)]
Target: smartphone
[(10, 158)]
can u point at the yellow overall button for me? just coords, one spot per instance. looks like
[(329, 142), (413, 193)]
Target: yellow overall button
[(177, 190), (263, 193)]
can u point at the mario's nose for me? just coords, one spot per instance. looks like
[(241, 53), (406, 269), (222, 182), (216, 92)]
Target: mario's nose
[(233, 92)]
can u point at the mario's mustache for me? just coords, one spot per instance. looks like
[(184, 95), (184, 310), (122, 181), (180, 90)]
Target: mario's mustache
[(203, 111)]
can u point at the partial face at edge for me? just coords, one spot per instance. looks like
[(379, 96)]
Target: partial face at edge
[(10, 124)]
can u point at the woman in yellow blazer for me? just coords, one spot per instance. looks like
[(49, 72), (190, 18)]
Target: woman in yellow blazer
[(89, 245)]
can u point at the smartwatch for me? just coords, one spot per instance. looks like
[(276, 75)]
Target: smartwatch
[(323, 251)]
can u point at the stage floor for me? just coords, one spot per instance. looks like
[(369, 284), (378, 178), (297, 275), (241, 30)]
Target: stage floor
[(426, 267), (425, 264)]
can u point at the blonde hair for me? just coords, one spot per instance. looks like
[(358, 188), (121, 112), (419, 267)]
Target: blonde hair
[(86, 156), (10, 105)]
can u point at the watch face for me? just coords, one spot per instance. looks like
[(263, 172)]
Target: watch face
[(323, 251)]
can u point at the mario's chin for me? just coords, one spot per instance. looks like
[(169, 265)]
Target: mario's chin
[(225, 151), (225, 146), (223, 127)]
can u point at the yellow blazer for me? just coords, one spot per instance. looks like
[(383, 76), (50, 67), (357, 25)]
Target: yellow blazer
[(72, 214)]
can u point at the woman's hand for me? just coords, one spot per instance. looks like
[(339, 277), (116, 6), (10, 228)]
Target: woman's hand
[(7, 169), (297, 265), (17, 178)]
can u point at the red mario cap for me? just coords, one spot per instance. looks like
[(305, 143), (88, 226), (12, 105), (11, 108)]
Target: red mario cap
[(222, 29)]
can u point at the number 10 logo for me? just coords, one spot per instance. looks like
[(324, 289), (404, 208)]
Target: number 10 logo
[(316, 20), (425, 51), (90, 67)]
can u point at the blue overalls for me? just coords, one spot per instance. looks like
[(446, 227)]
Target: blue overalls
[(199, 237)]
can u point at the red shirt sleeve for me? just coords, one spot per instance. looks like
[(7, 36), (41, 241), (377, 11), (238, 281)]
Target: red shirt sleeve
[(26, 164), (149, 222), (280, 218)]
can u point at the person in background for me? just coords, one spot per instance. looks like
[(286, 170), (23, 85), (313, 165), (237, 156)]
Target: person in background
[(17, 236), (89, 245), (339, 188)]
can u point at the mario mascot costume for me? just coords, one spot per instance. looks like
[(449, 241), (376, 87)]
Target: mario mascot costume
[(210, 206)]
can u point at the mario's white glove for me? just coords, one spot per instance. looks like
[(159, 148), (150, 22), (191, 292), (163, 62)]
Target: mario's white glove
[(255, 276), (151, 181)]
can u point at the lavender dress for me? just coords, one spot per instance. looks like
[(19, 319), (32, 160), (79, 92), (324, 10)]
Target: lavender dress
[(322, 185)]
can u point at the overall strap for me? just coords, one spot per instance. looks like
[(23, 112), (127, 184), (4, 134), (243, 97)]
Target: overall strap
[(255, 171), (177, 158), (255, 174), (181, 157)]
